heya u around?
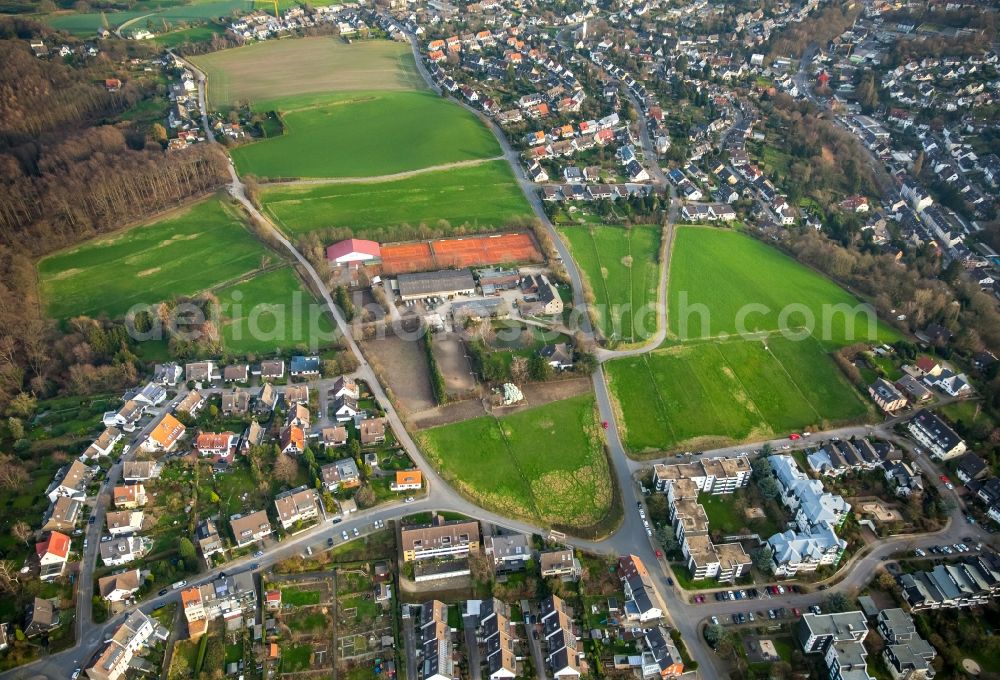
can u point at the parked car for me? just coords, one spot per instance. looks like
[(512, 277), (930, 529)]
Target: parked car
[(715, 620), (163, 592), (329, 542), (259, 553)]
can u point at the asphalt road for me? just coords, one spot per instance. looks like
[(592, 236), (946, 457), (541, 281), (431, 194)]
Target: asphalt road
[(630, 537)]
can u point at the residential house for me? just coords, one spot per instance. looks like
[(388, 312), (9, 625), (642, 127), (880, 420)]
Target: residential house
[(297, 505), (165, 435), (293, 440), (267, 398), (334, 437), (298, 414), (250, 528), (62, 515), (215, 443), (969, 583), (126, 417), (236, 403), (232, 598), (124, 549), (907, 655), (559, 563), (52, 554), (407, 480), (272, 370), (140, 470), (150, 395), (115, 658), (41, 617), (304, 366), (253, 435), (345, 408), (191, 403), (70, 481), (710, 475), (497, 634), (455, 538), (345, 386), (508, 552), (372, 431), (121, 586), (208, 539), (341, 474), (564, 652), (838, 637), (201, 371), (124, 522), (931, 431), (296, 394), (970, 467), (167, 374), (641, 599), (129, 496), (435, 642), (237, 373), (886, 396), (559, 356), (105, 444), (664, 652)]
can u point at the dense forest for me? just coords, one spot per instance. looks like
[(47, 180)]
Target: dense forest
[(71, 169)]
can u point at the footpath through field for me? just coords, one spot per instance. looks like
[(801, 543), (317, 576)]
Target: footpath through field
[(376, 179)]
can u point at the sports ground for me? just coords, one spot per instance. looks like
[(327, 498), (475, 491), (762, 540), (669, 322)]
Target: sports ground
[(484, 196), (622, 271), (455, 253), (711, 387), (496, 461)]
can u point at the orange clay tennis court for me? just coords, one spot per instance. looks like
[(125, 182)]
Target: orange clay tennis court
[(459, 252)]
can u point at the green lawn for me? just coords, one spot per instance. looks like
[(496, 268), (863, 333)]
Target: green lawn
[(188, 35), (481, 196), (296, 597), (88, 23), (310, 621), (271, 311), (189, 252), (712, 394), (364, 134), (622, 269), (544, 464), (295, 658), (722, 282)]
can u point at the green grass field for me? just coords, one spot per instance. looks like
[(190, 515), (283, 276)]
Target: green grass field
[(297, 597), (622, 269), (365, 134), (727, 274), (484, 195), (708, 394), (276, 69), (270, 312), (186, 253), (544, 464), (88, 23), (188, 35)]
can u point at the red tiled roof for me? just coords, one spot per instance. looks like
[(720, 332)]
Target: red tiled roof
[(56, 544), (353, 245)]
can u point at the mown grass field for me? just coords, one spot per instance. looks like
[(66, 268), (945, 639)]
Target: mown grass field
[(188, 35), (725, 272), (710, 394), (364, 134), (544, 464), (484, 195), (271, 311), (88, 23), (191, 251), (276, 69), (622, 269)]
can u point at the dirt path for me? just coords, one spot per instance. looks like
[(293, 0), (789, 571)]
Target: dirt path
[(383, 178)]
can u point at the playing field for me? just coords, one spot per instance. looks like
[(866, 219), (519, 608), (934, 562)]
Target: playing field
[(544, 465), (710, 394), (484, 195), (621, 267), (363, 134), (455, 253), (189, 252), (275, 69), (723, 281), (271, 312)]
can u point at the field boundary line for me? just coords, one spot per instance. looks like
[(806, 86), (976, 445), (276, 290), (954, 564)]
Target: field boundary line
[(517, 465), (659, 398), (376, 179), (798, 389), (604, 281), (756, 406), (631, 287)]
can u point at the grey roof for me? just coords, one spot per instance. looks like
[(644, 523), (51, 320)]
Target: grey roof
[(434, 283)]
